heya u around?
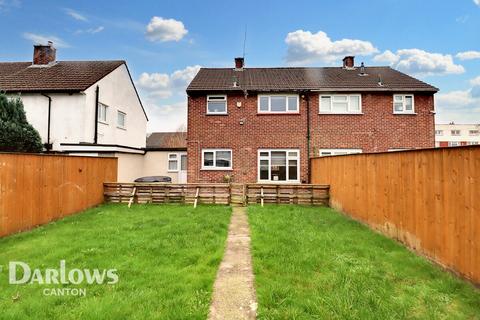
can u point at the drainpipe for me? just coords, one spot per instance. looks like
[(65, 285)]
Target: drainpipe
[(308, 138), (48, 145), (95, 135)]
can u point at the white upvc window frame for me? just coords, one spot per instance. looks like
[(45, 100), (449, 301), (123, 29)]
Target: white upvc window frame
[(269, 158), (333, 97), (102, 113), (439, 132), (174, 158), (339, 152), (473, 132), (404, 104), (398, 149), (472, 143), (214, 97), (454, 144), (269, 96), (214, 167), (124, 120), (455, 135)]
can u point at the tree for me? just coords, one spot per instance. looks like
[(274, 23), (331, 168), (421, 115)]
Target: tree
[(16, 134)]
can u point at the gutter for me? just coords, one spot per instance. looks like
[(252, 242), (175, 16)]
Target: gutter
[(95, 134), (48, 145)]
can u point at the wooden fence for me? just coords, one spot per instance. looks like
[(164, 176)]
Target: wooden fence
[(427, 199), (36, 189), (234, 194)]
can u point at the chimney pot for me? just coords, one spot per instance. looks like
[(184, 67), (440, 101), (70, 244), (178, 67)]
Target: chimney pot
[(349, 62), (239, 63), (44, 54)]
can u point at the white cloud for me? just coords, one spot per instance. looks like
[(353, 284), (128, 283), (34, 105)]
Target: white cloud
[(460, 106), (387, 56), (75, 15), (91, 30), (468, 55), (475, 81), (6, 5), (163, 85), (166, 117), (43, 39), (162, 30), (420, 62), (307, 47), (477, 2)]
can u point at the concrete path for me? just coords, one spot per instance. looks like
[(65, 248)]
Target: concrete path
[(234, 291)]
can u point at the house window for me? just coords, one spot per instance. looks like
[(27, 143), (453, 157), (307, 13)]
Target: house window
[(102, 112), (216, 105), (121, 117), (278, 103), (474, 132), (403, 103), (453, 144), (439, 132), (472, 143), (455, 132), (278, 165), (217, 159), (338, 152), (172, 162), (341, 104)]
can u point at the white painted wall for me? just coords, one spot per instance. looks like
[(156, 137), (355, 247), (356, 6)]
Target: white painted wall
[(118, 93), (130, 166), (73, 115), (67, 117)]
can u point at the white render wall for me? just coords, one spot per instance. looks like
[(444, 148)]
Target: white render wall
[(118, 93), (67, 117)]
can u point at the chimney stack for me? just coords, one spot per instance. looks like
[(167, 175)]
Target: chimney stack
[(349, 62), (239, 63), (44, 54)]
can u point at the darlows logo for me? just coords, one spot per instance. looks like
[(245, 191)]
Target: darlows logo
[(21, 273)]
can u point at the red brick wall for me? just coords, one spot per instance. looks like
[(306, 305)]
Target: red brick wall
[(378, 129)]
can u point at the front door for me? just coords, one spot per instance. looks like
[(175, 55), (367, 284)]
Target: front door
[(182, 173)]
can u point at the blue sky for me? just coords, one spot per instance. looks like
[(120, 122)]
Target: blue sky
[(165, 42)]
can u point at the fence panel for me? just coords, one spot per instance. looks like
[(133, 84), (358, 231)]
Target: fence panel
[(427, 199), (36, 189)]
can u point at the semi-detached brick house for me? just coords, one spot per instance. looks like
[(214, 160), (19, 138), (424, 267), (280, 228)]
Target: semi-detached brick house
[(263, 124)]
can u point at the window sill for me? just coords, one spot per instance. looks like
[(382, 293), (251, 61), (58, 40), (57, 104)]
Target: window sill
[(122, 128), (216, 169), (216, 114), (341, 113), (405, 113), (278, 113), (172, 171), (103, 122), (278, 182)]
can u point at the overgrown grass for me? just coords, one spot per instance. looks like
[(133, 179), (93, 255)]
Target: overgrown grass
[(167, 257), (313, 263)]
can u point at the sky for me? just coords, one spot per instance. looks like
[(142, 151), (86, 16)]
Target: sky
[(166, 42)]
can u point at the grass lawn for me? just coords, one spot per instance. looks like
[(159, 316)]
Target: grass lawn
[(167, 258), (313, 263)]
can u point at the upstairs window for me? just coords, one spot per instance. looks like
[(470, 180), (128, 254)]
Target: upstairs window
[(216, 159), (102, 112), (474, 132), (455, 132), (216, 105), (340, 103), (403, 103), (439, 132), (121, 118), (278, 103)]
